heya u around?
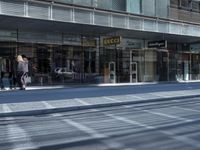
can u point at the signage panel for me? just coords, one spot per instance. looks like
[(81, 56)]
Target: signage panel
[(112, 41), (157, 44)]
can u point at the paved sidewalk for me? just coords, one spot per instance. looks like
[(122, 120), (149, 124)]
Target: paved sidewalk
[(54, 106)]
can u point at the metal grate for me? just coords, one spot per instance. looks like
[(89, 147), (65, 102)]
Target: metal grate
[(37, 10), (119, 21), (12, 7), (62, 14), (82, 16), (101, 19)]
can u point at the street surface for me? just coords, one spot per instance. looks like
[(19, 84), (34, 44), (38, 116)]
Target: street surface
[(162, 125), (71, 93)]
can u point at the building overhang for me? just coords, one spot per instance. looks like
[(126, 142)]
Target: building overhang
[(49, 26)]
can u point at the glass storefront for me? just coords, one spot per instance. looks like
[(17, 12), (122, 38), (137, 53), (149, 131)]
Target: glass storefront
[(59, 64), (91, 62)]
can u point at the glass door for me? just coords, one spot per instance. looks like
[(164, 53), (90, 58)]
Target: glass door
[(195, 66), (133, 72), (163, 65)]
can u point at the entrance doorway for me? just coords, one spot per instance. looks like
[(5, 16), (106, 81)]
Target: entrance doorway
[(112, 72), (188, 66), (163, 65), (133, 72)]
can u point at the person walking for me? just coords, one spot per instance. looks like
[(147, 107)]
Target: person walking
[(26, 66), (2, 72), (21, 70)]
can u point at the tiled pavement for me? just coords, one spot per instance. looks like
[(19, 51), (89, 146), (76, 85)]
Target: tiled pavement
[(53, 106)]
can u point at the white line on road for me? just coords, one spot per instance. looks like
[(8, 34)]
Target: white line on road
[(47, 105), (112, 99), (85, 129), (168, 133), (6, 109), (95, 134), (137, 97), (82, 101), (183, 139), (129, 121), (187, 109), (19, 138), (166, 115), (160, 95)]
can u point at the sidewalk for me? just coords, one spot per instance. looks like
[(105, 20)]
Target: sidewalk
[(77, 103)]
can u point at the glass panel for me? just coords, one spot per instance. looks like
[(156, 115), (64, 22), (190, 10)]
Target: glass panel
[(83, 2), (162, 8), (163, 27), (162, 65), (133, 6), (195, 6), (62, 13), (8, 35), (149, 25), (174, 3), (148, 7), (82, 16), (37, 10), (150, 66), (135, 23), (119, 5), (11, 7), (64, 1), (195, 66), (101, 19), (184, 4), (119, 21), (104, 4), (8, 65), (175, 28)]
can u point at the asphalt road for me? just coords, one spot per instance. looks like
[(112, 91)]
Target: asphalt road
[(18, 96), (165, 125)]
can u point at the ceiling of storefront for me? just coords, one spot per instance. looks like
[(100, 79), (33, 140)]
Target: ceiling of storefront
[(27, 24)]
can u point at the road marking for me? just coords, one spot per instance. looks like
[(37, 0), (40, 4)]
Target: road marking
[(95, 134), (187, 109), (47, 105), (85, 129), (129, 121), (18, 137), (6, 109), (159, 95), (82, 101), (137, 97), (182, 139), (112, 99), (166, 115), (171, 134)]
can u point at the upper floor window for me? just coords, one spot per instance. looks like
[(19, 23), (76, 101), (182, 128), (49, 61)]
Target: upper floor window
[(185, 4)]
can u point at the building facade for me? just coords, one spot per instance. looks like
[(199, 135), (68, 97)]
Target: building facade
[(101, 41)]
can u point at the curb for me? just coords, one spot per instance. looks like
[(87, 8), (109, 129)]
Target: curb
[(92, 106)]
